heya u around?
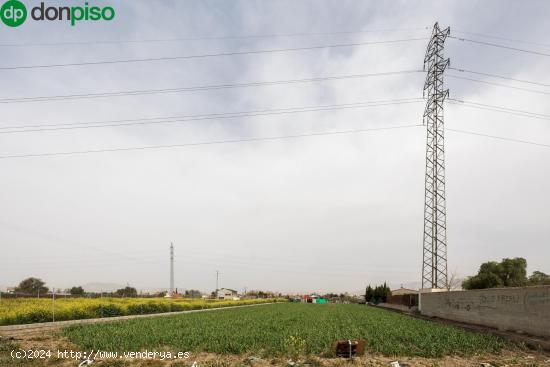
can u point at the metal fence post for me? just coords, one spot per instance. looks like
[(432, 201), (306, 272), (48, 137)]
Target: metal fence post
[(53, 305)]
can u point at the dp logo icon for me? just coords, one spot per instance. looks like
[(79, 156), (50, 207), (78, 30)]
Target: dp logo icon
[(13, 13)]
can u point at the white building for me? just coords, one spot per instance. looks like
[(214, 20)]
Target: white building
[(227, 294)]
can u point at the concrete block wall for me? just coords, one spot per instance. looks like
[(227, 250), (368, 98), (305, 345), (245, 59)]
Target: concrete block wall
[(524, 309)]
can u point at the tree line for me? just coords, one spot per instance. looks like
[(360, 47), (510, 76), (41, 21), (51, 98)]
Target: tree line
[(507, 273), (378, 294), (492, 274), (37, 287)]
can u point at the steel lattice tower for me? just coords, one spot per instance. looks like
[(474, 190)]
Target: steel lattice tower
[(434, 265), (172, 269)]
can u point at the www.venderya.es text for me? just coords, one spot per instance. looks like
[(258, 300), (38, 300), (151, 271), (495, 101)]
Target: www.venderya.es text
[(96, 354)]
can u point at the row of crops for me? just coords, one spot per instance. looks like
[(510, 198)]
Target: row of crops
[(284, 329), (33, 310)]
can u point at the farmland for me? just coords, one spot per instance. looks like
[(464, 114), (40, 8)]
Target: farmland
[(33, 310), (284, 329)]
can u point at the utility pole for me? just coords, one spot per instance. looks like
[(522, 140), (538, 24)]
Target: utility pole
[(434, 265), (171, 269), (217, 280)]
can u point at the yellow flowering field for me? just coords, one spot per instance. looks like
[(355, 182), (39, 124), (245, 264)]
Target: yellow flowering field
[(15, 311)]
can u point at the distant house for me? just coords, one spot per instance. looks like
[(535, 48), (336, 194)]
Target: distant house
[(227, 294), (403, 291), (313, 299), (403, 297), (10, 289)]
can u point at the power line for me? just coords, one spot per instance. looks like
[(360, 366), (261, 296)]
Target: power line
[(501, 46), (270, 266), (498, 84), (501, 109), (200, 88), (499, 137), (210, 38), (215, 142), (500, 77), (61, 241), (185, 118), (502, 38), (187, 57)]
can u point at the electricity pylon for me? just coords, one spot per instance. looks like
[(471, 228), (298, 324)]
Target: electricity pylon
[(434, 265), (172, 269)]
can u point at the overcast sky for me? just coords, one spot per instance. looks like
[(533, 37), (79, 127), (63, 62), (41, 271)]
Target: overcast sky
[(322, 213)]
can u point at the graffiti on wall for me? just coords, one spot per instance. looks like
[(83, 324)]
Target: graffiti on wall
[(530, 299)]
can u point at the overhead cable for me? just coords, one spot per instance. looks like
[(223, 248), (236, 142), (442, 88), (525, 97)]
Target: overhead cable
[(201, 56), (200, 88), (500, 46), (209, 38), (212, 116), (214, 142)]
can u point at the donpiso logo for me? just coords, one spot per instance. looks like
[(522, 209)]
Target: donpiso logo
[(14, 13)]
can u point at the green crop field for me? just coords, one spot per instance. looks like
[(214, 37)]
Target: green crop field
[(284, 329)]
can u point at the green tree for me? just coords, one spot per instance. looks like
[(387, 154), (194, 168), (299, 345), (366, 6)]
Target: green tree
[(539, 278), (77, 291), (32, 286), (384, 292), (193, 293), (126, 292), (377, 294), (482, 281), (492, 274), (368, 294), (513, 272)]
